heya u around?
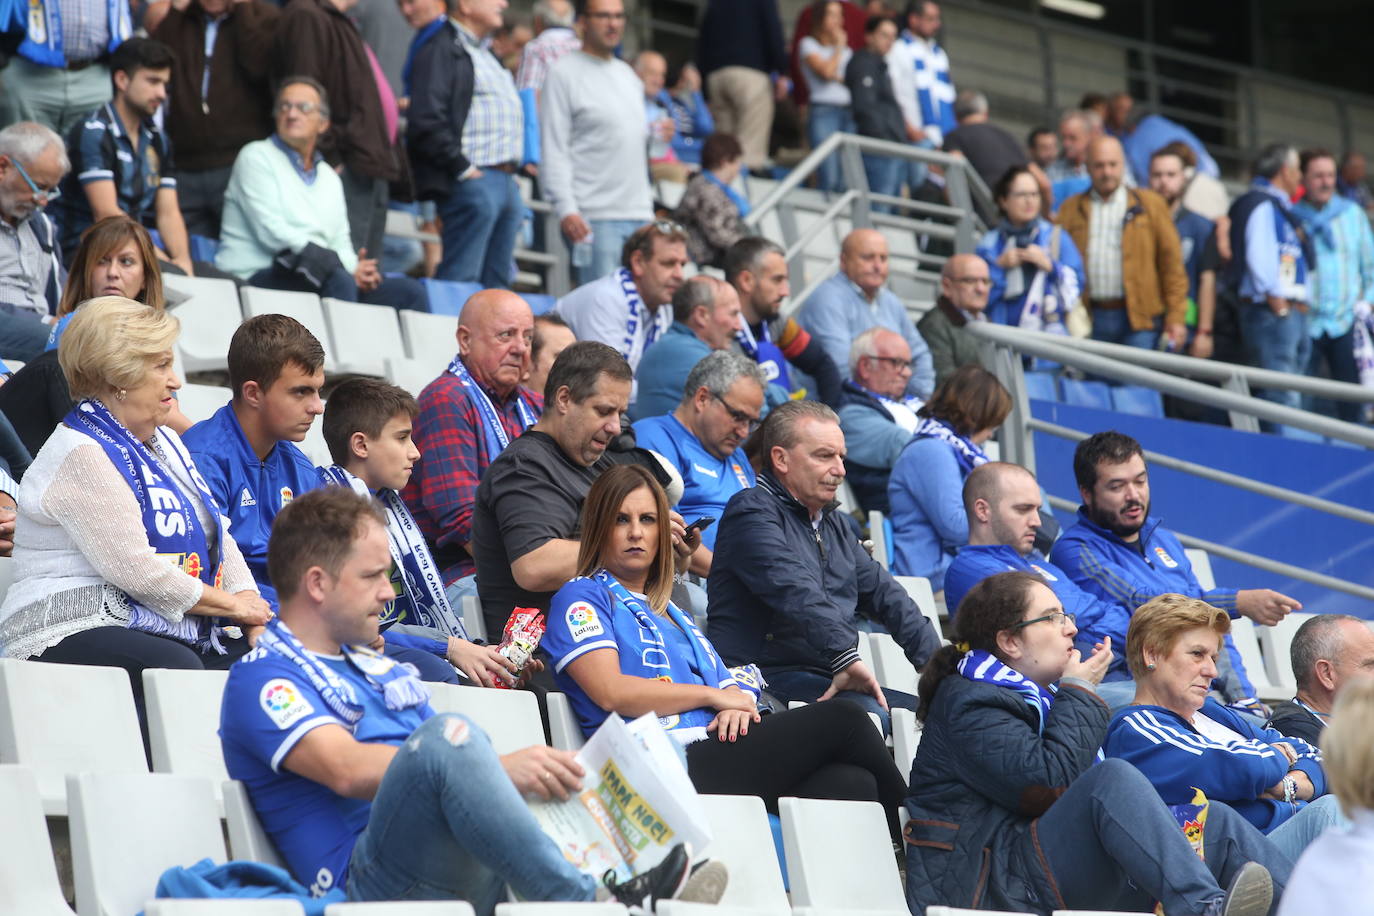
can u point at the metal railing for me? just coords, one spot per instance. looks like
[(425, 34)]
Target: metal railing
[(1004, 349)]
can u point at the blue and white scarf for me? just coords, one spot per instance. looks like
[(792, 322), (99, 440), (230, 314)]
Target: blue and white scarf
[(983, 667), (1317, 223), (966, 453), (423, 601), (636, 313), (43, 40), (736, 197), (493, 432), (170, 522), (398, 682), (763, 351)]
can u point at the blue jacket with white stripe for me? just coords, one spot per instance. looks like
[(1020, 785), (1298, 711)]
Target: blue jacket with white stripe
[(1176, 757)]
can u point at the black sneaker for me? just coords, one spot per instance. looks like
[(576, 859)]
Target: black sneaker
[(1251, 892), (662, 882)]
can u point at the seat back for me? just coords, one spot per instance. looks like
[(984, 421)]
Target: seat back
[(183, 722), (1277, 644), (281, 906), (64, 719), (128, 828), (429, 338), (6, 575), (877, 533), (363, 335), (918, 587), (247, 839), (208, 319), (199, 402), (555, 909), (304, 307), (563, 726), (1082, 393), (742, 839), (509, 717), (1138, 400), (401, 908), (906, 738), (1201, 561), (411, 374), (447, 297), (839, 855), (28, 875), (890, 664)]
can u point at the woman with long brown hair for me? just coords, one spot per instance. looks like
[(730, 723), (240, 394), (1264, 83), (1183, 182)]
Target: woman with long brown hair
[(619, 644)]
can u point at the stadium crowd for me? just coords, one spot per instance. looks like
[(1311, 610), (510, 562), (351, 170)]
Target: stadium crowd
[(1092, 688)]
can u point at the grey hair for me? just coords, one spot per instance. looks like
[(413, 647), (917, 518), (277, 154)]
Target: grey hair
[(553, 16), (1273, 158), (969, 102), (748, 254), (718, 370), (25, 141), (1086, 118), (302, 80), (698, 292), (862, 346), (1317, 638), (779, 430)]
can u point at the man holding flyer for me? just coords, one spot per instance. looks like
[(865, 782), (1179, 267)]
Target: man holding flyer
[(323, 732)]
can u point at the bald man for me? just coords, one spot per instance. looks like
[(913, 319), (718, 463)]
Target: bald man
[(468, 415), (964, 286), (1137, 287), (856, 299), (876, 414)]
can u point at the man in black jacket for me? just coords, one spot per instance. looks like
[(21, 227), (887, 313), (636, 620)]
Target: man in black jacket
[(1328, 651), (790, 582), (465, 132), (876, 112)]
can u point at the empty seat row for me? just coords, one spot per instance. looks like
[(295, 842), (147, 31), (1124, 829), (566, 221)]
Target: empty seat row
[(1129, 399)]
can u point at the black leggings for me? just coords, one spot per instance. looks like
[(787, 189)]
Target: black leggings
[(824, 750)]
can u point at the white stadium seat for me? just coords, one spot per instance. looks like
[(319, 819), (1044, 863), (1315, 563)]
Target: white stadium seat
[(247, 840), (28, 876), (563, 727), (877, 533), (402, 908), (183, 722), (557, 909), (918, 587), (128, 828), (906, 738), (890, 664), (199, 402), (411, 374), (839, 856), (64, 719), (281, 906), (209, 318), (363, 335), (304, 307), (1277, 645), (741, 839), (6, 575), (429, 337), (509, 717)]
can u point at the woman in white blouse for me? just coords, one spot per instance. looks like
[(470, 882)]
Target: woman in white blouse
[(121, 555), (824, 55)]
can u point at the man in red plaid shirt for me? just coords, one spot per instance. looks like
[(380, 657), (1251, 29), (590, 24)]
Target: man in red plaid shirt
[(468, 415)]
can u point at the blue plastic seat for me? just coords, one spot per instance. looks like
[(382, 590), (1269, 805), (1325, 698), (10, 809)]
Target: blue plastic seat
[(1087, 394), (1138, 400), (1042, 385), (447, 297), (540, 303)]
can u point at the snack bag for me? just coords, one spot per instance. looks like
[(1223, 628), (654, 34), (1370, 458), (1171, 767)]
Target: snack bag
[(520, 638)]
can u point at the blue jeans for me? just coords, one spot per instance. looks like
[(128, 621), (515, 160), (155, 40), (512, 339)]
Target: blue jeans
[(448, 824), (398, 292), (1338, 355), (1293, 835), (457, 591), (1276, 343), (480, 218), (22, 335), (821, 122), (807, 686), (1111, 844), (608, 238), (884, 177), (1116, 694), (1114, 326)]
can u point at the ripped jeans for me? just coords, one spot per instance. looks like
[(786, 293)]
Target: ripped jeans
[(448, 824)]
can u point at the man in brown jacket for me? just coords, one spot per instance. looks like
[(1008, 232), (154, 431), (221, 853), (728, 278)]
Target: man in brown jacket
[(219, 97), (1136, 283)]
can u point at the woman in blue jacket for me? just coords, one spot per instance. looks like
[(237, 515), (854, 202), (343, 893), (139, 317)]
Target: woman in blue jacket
[(1181, 738), (1010, 808), (1023, 261), (618, 644), (925, 491)]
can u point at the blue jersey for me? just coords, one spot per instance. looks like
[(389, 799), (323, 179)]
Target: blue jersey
[(584, 616), (708, 481), (268, 707), (250, 491)]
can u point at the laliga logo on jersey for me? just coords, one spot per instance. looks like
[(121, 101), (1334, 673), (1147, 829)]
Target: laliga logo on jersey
[(283, 703), (1165, 558), (583, 622)]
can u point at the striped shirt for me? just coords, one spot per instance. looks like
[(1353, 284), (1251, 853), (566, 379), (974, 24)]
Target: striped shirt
[(1344, 274), (1106, 220), (541, 53), (85, 29), (494, 133), (24, 267)]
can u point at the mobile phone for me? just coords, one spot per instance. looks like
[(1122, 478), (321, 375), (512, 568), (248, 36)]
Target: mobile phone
[(701, 524)]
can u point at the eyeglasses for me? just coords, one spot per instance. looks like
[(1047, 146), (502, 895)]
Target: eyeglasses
[(304, 108), (1058, 617), (739, 417), (894, 362), (44, 196)]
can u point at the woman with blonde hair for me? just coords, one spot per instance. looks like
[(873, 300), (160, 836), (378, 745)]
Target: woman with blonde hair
[(1182, 739), (619, 644)]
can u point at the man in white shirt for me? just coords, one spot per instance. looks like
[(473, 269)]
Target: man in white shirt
[(593, 132)]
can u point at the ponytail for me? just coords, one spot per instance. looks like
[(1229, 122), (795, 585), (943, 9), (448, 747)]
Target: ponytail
[(941, 665)]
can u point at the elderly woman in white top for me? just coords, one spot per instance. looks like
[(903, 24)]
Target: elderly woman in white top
[(121, 555)]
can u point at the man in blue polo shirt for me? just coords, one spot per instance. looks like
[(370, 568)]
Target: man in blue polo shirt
[(246, 451), (706, 317), (323, 731), (1003, 505), (704, 439), (1121, 553)]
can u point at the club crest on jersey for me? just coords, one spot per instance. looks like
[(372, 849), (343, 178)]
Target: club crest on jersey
[(283, 703), (583, 622), (286, 496), (1165, 558)]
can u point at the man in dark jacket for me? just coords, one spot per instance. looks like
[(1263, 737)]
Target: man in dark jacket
[(741, 57), (790, 581), (964, 287), (876, 112), (316, 38), (1328, 651), (220, 97)]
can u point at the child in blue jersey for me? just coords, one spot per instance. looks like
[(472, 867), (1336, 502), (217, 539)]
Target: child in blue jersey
[(619, 644), (367, 426), (326, 733)]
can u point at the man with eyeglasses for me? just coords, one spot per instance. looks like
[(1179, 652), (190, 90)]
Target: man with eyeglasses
[(1003, 503), (704, 439), (285, 215), (964, 286), (594, 139), (33, 160), (876, 414), (706, 317), (856, 299)]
